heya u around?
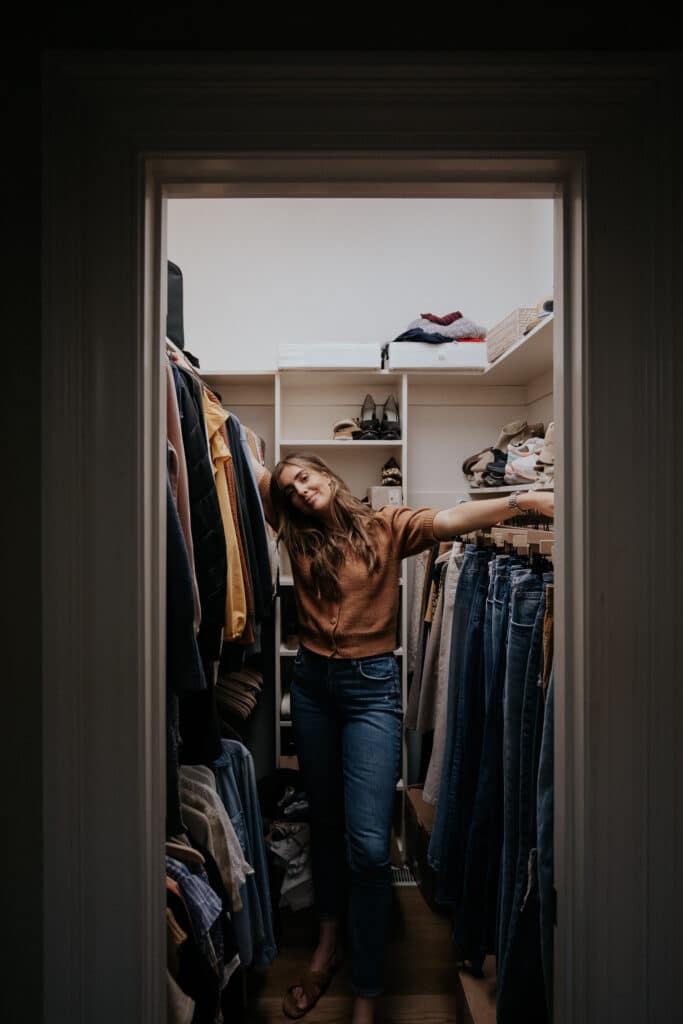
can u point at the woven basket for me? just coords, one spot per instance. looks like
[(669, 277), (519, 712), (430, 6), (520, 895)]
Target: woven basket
[(508, 331)]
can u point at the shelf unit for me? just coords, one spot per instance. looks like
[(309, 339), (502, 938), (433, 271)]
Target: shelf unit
[(294, 409), (307, 404)]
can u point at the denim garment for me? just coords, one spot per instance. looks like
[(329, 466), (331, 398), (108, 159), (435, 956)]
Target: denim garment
[(236, 784), (347, 723), (520, 976), (544, 832), (525, 595), (465, 726), (475, 928)]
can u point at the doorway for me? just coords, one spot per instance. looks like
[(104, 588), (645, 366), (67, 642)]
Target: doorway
[(398, 178)]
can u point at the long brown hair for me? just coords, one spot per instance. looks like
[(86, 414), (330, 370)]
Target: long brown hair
[(352, 526)]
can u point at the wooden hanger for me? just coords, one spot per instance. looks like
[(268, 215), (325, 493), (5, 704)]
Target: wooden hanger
[(179, 851)]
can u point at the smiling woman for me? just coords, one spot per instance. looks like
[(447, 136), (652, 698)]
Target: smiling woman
[(345, 695)]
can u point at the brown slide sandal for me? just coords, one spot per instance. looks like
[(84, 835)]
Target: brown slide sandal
[(313, 984)]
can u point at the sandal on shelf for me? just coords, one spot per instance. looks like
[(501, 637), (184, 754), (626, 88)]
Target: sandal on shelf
[(313, 985)]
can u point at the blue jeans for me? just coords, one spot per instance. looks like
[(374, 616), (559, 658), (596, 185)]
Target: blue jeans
[(347, 722), (544, 832), (525, 595), (520, 976), (236, 784), (464, 731), (475, 928)]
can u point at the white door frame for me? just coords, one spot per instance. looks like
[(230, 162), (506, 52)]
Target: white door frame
[(114, 134)]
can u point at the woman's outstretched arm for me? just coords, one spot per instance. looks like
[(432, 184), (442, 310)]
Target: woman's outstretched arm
[(477, 515)]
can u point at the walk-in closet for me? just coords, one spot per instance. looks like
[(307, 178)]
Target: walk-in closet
[(130, 141), (302, 319)]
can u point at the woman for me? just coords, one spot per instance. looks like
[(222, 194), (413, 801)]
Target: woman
[(346, 696)]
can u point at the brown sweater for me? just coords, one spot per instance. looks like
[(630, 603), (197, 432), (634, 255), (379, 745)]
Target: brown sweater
[(364, 621)]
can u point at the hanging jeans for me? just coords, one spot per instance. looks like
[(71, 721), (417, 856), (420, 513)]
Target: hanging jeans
[(544, 831), (475, 926), (525, 595), (236, 785), (347, 723), (520, 974), (465, 726)]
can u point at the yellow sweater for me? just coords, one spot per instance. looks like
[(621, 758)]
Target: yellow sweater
[(236, 601), (364, 621)]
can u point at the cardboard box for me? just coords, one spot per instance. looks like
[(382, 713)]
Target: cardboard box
[(380, 496)]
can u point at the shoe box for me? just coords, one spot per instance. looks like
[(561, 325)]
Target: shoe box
[(379, 496), (419, 821), (330, 356), (406, 355)]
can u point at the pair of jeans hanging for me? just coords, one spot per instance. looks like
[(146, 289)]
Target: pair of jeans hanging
[(521, 988), (465, 712)]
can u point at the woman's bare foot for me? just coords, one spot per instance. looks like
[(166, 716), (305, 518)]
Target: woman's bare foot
[(364, 1010)]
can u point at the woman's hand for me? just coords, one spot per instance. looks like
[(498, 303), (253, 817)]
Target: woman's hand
[(539, 502), (480, 515)]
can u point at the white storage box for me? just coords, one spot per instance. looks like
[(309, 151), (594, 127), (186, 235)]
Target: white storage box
[(461, 355), (380, 496), (330, 356)]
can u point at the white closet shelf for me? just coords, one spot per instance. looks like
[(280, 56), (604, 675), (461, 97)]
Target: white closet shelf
[(285, 723), (340, 444), (529, 357), (250, 376)]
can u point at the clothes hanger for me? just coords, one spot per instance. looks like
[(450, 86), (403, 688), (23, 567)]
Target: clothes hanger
[(178, 357), (187, 854)]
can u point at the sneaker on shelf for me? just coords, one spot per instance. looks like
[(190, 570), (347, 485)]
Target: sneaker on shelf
[(546, 456), (494, 476)]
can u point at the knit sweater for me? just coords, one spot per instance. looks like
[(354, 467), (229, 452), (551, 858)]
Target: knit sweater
[(364, 620)]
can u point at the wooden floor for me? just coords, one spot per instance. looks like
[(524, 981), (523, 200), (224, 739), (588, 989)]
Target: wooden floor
[(421, 982)]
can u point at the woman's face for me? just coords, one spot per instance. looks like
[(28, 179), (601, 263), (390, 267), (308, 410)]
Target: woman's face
[(308, 490)]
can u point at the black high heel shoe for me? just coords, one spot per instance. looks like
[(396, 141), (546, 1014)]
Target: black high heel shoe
[(369, 424), (390, 429)]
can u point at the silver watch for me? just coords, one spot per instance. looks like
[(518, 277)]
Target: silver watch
[(514, 505)]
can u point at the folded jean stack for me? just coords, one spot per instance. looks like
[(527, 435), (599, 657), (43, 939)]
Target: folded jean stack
[(289, 842), (524, 455)]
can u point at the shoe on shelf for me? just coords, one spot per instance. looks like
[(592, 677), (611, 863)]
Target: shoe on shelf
[(369, 424), (391, 473), (390, 428), (346, 430), (494, 475), (546, 456)]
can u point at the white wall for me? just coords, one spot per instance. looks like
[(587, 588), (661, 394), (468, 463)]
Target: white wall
[(258, 272)]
